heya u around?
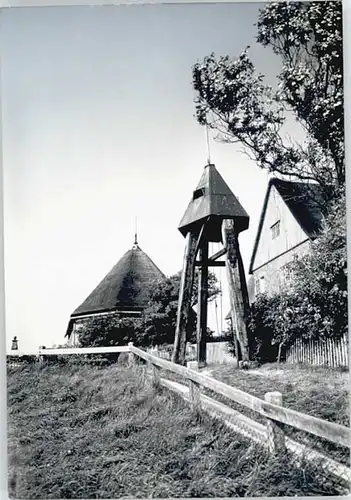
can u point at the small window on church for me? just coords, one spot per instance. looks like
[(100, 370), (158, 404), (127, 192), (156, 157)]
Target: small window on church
[(198, 193), (275, 230)]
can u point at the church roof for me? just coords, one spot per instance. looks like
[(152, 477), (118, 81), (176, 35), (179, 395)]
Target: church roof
[(212, 198), (125, 286), (303, 200)]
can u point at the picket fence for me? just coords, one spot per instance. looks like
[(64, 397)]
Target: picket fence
[(327, 352)]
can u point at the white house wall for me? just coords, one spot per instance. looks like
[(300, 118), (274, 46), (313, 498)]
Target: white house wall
[(291, 233), (272, 274)]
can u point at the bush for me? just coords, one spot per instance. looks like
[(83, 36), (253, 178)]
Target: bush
[(108, 331)]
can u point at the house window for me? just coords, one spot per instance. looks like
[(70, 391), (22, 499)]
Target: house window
[(275, 229)]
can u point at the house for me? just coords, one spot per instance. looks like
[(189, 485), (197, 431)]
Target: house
[(291, 218), (123, 290)]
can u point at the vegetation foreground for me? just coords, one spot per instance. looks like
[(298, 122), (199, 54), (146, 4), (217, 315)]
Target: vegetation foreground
[(80, 431), (314, 390)]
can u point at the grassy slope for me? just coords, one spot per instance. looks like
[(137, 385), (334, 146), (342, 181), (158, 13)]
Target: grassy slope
[(86, 432), (317, 391)]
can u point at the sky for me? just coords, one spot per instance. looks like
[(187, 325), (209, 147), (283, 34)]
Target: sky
[(98, 127)]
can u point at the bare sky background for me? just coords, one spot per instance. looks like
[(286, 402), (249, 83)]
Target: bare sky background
[(98, 127)]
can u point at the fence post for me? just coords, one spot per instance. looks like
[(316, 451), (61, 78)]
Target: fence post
[(155, 376), (193, 365), (194, 394), (42, 358), (131, 356), (275, 433)]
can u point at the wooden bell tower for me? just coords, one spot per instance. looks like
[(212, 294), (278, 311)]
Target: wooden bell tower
[(214, 214)]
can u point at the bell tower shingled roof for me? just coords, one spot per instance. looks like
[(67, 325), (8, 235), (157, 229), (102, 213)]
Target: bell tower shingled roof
[(213, 198)]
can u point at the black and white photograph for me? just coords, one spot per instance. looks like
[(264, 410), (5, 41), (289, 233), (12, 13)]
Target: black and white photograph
[(175, 250)]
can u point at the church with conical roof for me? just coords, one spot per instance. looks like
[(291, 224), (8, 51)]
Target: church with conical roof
[(123, 290)]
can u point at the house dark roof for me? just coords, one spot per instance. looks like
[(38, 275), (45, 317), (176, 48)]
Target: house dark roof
[(303, 201), (212, 198), (125, 286)]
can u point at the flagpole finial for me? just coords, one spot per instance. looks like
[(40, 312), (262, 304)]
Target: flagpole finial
[(136, 232)]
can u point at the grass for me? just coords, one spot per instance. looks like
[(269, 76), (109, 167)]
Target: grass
[(317, 391), (80, 431)]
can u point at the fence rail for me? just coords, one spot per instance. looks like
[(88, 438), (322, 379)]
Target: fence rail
[(329, 352), (321, 428), (271, 408), (257, 432), (71, 350)]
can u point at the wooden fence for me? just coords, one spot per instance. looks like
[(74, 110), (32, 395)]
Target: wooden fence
[(271, 407), (328, 352)]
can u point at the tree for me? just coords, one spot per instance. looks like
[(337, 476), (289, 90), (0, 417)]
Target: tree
[(282, 325), (269, 327), (321, 278), (234, 100), (213, 289), (160, 315), (308, 37)]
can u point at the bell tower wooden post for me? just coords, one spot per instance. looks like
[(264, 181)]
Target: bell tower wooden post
[(202, 305), (184, 301), (239, 301)]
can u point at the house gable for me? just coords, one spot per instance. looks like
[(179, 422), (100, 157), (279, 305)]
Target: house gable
[(278, 232)]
